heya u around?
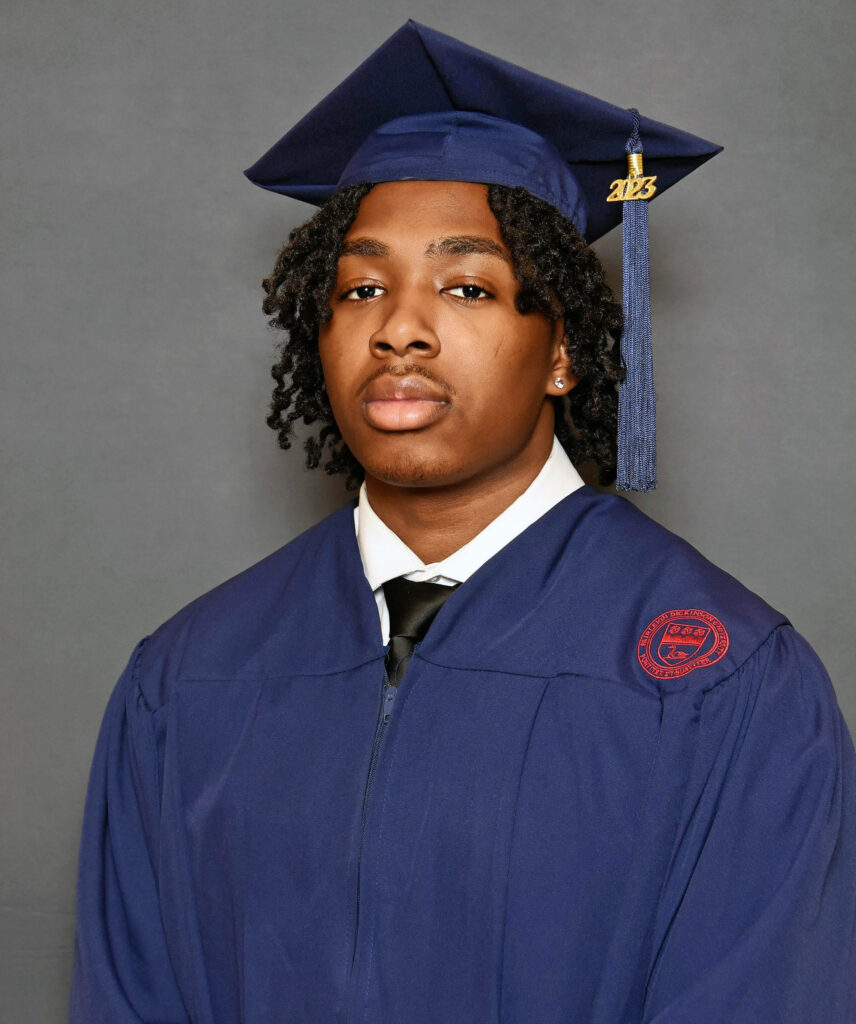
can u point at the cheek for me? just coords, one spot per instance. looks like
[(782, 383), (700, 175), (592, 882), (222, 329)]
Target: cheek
[(507, 358), (335, 363), (334, 370)]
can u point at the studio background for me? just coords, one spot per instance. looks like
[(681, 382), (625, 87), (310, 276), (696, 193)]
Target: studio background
[(137, 468)]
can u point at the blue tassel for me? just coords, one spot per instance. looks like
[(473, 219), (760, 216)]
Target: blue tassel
[(637, 427)]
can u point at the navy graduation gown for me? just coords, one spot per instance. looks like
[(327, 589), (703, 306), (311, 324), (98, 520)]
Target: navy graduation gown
[(614, 787)]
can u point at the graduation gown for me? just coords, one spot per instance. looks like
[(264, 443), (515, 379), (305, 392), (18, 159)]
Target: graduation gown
[(565, 814)]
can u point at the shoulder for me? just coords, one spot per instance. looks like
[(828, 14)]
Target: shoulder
[(220, 631), (674, 622), (675, 616)]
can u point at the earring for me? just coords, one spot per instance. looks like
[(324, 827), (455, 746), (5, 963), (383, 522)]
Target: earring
[(559, 382)]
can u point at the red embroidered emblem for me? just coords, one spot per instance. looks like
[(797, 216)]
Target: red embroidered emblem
[(680, 641)]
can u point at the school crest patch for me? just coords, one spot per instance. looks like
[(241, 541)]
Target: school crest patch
[(680, 641)]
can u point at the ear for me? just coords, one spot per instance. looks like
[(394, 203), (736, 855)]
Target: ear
[(560, 369)]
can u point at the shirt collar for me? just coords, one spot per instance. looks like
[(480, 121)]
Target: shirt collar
[(385, 555)]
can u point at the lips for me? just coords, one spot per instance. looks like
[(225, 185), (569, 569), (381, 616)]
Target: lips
[(403, 403)]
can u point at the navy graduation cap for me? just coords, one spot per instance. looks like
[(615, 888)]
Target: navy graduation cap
[(426, 106)]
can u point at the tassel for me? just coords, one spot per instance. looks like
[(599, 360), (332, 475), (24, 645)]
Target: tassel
[(637, 428)]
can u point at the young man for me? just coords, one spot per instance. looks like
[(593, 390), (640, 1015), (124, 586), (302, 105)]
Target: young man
[(608, 784)]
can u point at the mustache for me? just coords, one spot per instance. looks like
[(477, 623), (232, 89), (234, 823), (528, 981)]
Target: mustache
[(407, 370)]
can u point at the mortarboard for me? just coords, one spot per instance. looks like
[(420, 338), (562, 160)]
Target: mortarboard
[(426, 106)]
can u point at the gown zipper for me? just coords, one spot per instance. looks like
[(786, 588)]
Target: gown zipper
[(387, 699)]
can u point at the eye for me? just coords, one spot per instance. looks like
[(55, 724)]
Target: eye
[(361, 292), (470, 292)]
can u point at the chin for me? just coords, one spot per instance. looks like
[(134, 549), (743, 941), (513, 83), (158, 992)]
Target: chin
[(410, 469)]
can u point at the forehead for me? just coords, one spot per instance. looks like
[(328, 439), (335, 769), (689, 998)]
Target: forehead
[(398, 211)]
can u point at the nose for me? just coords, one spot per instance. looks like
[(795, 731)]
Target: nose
[(406, 330)]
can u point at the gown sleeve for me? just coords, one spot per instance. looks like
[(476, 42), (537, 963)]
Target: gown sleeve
[(759, 907), (121, 971)]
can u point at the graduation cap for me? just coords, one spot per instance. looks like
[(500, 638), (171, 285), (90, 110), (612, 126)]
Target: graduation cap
[(426, 106)]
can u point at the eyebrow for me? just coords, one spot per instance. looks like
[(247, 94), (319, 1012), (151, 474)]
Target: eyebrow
[(454, 245)]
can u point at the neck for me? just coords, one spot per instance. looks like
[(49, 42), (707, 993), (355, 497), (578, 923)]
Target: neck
[(436, 521)]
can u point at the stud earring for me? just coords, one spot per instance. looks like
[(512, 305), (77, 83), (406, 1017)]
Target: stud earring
[(559, 382)]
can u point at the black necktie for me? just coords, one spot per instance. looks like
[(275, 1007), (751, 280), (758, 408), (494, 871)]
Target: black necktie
[(412, 607)]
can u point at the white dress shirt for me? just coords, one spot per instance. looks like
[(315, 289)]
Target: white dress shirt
[(385, 555)]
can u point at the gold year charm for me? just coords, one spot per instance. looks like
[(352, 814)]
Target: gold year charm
[(635, 186)]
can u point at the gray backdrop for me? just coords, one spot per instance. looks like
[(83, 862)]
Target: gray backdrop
[(137, 468)]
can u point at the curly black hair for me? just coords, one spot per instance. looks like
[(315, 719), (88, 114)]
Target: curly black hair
[(559, 274)]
